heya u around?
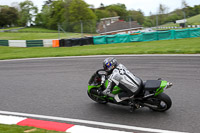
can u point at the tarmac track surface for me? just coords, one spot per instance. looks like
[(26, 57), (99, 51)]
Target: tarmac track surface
[(57, 87)]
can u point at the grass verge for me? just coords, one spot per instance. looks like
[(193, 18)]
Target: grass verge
[(195, 20), (23, 129), (35, 36), (178, 46), (11, 28)]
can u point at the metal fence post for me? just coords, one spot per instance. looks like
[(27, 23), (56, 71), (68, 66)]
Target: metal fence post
[(81, 28)]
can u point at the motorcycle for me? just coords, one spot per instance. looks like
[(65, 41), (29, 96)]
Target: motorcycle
[(151, 93)]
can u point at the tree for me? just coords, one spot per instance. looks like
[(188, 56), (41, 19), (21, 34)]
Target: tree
[(42, 19), (104, 14), (80, 13), (8, 15), (52, 14), (27, 12), (48, 2), (137, 16), (56, 14), (120, 9), (162, 14), (148, 22)]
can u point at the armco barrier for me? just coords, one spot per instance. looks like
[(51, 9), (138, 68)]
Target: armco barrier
[(34, 43), (4, 43), (17, 43)]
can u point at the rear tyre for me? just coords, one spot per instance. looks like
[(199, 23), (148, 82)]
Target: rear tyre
[(161, 103), (96, 98)]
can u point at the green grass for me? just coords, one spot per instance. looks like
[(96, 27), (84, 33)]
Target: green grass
[(10, 28), (178, 46), (195, 20), (22, 129), (35, 36), (38, 30), (171, 24)]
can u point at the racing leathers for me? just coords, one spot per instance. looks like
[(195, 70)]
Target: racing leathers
[(124, 79)]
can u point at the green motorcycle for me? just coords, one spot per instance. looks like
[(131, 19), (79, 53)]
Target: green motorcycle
[(150, 95)]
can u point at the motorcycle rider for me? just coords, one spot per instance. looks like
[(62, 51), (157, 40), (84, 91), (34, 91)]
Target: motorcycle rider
[(119, 75)]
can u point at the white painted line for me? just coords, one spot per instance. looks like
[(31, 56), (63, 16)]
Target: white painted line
[(15, 120), (91, 122), (96, 56), (79, 129), (9, 120)]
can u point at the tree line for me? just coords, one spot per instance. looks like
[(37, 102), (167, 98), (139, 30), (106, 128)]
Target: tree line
[(70, 14)]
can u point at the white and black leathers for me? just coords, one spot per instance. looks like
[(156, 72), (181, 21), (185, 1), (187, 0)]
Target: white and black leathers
[(123, 78)]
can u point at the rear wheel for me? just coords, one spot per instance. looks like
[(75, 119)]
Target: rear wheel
[(96, 98), (160, 103)]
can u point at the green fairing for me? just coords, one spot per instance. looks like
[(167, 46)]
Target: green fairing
[(116, 89), (92, 86), (162, 86)]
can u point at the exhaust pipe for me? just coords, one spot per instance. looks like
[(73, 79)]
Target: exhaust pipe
[(169, 85)]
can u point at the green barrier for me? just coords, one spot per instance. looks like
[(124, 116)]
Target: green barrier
[(152, 36), (124, 38), (136, 38), (165, 35), (195, 32), (4, 43), (34, 43), (182, 34), (112, 39), (99, 39)]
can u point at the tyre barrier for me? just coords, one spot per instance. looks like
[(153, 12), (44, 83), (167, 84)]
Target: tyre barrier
[(76, 42), (48, 43)]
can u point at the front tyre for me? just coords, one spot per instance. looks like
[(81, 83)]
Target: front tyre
[(161, 103), (96, 98)]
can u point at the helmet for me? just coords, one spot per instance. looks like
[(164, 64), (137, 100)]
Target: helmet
[(109, 64)]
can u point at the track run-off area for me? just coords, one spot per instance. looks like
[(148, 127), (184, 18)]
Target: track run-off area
[(55, 89)]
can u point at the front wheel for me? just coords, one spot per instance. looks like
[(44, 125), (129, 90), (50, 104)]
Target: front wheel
[(96, 98), (160, 103)]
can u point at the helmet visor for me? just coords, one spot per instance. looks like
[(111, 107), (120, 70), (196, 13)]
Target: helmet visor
[(108, 66)]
